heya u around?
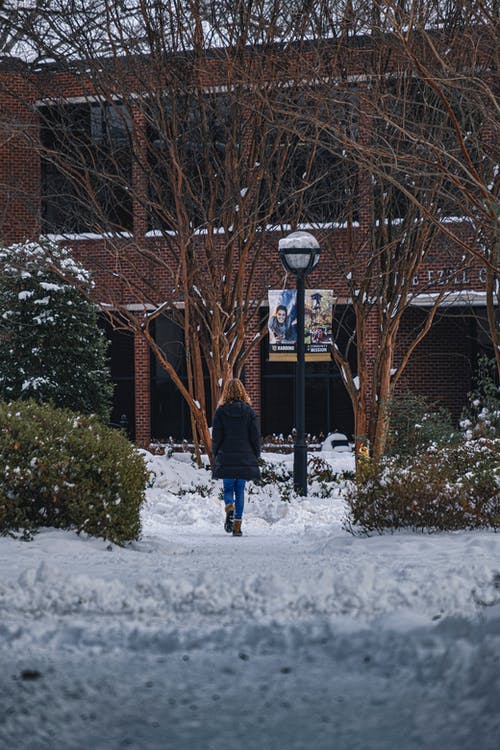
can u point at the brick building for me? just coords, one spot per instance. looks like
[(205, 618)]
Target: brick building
[(119, 237)]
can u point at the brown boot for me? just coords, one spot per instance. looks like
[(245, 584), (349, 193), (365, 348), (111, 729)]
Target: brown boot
[(237, 527), (228, 522)]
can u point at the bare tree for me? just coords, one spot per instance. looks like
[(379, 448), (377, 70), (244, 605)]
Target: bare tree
[(164, 153), (355, 118), (458, 64)]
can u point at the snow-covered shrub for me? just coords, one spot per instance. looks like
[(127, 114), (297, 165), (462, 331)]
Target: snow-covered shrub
[(69, 471), (319, 470), (277, 474), (415, 423), (443, 488), (277, 443), (481, 416), (201, 489), (273, 472), (51, 347)]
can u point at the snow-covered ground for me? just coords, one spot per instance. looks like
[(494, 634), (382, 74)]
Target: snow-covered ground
[(296, 636)]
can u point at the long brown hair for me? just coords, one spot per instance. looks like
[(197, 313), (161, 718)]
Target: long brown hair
[(234, 390)]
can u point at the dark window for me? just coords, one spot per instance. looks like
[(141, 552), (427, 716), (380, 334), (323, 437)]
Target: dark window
[(418, 149), (193, 143), (309, 176), (86, 168), (344, 334)]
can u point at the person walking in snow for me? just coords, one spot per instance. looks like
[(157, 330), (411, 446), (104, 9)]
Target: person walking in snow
[(236, 448)]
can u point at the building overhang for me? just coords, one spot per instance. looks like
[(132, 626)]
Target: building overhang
[(459, 298)]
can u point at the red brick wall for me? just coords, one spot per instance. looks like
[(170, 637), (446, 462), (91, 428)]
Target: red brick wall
[(440, 366), (142, 391), (19, 171)]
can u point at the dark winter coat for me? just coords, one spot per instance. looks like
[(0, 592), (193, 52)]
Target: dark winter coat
[(236, 442)]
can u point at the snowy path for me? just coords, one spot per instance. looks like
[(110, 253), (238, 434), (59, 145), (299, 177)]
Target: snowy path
[(297, 636), (369, 691)]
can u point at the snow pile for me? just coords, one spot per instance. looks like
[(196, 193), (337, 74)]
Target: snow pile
[(311, 637)]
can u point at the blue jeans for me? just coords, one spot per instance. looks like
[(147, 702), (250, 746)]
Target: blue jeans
[(234, 492)]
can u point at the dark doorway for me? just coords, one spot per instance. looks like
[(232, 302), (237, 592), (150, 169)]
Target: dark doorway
[(121, 361), (328, 406), (170, 416)]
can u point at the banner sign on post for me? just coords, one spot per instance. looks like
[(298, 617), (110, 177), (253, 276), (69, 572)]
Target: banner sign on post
[(318, 323), (283, 324)]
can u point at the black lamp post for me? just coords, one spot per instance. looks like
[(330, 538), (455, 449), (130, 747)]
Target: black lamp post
[(299, 253)]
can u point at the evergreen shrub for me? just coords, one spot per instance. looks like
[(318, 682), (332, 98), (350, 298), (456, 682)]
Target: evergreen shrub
[(416, 423), (481, 416), (444, 488), (69, 471), (51, 346)]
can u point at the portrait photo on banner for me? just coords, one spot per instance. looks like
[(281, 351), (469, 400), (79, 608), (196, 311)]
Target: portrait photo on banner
[(282, 322)]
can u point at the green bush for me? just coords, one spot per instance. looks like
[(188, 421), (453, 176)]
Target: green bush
[(444, 488), (51, 347), (416, 423), (481, 416), (69, 471)]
